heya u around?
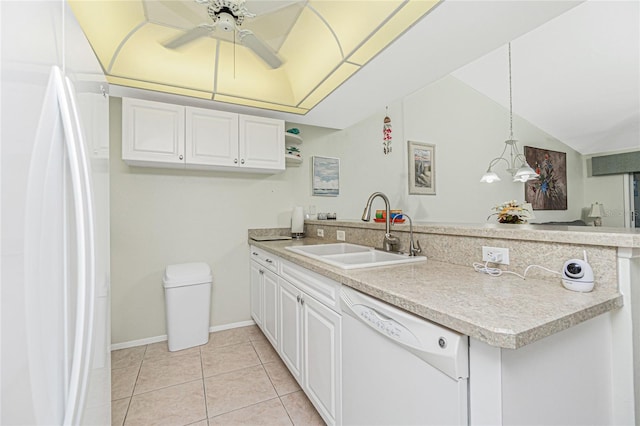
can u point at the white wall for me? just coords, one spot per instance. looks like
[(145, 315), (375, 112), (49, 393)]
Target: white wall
[(163, 216), (468, 130)]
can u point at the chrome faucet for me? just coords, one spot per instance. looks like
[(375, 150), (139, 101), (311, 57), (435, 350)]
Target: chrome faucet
[(390, 242), (414, 248)]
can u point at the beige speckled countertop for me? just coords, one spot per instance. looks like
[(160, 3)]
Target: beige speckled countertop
[(504, 311), (586, 235)]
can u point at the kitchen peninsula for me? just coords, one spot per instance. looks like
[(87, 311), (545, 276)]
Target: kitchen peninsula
[(531, 341)]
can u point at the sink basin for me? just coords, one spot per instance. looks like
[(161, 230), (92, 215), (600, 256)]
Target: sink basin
[(353, 256)]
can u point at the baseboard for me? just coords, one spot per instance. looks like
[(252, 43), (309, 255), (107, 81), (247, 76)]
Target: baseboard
[(156, 339)]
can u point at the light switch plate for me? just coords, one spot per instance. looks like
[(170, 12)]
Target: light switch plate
[(340, 235)]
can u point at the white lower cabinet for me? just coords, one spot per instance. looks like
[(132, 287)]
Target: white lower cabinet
[(298, 312), (321, 357), (310, 342), (270, 306), (264, 293), (256, 292), (291, 328)]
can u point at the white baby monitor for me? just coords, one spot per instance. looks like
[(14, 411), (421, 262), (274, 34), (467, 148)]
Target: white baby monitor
[(577, 275)]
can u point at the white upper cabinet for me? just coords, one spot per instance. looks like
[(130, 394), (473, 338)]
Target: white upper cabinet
[(152, 132), (261, 143), (156, 134), (211, 137)]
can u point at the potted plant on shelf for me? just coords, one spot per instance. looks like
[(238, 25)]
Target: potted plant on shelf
[(512, 212)]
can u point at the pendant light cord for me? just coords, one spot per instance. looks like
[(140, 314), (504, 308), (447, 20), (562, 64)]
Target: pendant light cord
[(510, 99)]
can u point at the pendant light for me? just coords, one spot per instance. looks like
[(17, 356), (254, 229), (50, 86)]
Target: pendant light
[(522, 173)]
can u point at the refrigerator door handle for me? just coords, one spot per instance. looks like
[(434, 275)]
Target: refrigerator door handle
[(83, 206)]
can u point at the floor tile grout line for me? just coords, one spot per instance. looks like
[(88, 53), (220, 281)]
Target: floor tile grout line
[(204, 387), (126, 413), (245, 407)]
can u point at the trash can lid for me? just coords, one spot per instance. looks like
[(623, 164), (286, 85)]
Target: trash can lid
[(183, 274)]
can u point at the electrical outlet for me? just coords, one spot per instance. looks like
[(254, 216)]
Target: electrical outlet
[(340, 236), (320, 233), (495, 255)]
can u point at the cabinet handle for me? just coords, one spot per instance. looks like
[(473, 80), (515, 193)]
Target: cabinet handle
[(235, 161), (254, 253), (302, 301), (298, 297), (181, 157), (242, 161), (261, 271), (268, 260)]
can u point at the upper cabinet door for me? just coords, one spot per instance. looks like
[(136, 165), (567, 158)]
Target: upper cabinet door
[(152, 132), (261, 143), (211, 137)]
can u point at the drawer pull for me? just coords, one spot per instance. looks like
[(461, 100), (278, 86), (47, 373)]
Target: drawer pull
[(269, 260)]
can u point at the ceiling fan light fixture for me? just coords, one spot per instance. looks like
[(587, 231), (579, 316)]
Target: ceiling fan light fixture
[(226, 22)]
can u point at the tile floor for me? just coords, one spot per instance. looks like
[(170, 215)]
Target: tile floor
[(235, 379)]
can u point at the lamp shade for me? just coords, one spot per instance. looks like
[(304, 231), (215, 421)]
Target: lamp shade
[(490, 177), (525, 173), (597, 210)]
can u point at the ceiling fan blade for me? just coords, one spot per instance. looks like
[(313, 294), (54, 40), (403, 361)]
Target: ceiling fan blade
[(189, 36), (185, 10), (260, 48)]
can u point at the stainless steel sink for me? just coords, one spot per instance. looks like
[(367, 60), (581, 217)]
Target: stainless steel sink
[(353, 256)]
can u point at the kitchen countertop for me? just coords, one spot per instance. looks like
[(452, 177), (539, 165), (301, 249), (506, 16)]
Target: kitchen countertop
[(505, 311)]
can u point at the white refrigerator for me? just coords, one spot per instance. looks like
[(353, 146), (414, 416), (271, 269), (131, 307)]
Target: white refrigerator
[(54, 194)]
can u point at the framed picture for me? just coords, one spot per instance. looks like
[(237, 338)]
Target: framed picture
[(549, 190), (422, 171), (326, 177)]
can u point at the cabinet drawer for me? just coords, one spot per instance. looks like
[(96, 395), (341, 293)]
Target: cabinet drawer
[(266, 259), (325, 290)]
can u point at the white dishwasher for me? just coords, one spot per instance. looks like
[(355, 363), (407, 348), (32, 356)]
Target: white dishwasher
[(398, 368)]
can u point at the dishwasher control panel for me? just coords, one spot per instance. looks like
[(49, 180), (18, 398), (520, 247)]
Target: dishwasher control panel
[(385, 325)]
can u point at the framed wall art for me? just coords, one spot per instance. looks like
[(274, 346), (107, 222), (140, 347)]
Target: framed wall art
[(549, 190), (326, 176), (422, 171)]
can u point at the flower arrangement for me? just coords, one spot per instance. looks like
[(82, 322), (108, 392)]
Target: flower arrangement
[(511, 212)]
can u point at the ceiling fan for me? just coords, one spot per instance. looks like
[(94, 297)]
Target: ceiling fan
[(228, 16)]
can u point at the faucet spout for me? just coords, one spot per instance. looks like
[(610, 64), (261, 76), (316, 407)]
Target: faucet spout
[(390, 242), (414, 247), (366, 215)]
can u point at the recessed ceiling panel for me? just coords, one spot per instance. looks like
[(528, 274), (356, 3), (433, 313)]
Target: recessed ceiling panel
[(144, 58), (179, 46), (107, 23), (311, 53), (241, 73), (353, 21)]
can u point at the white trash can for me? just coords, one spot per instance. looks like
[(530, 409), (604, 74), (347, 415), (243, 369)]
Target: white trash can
[(187, 290)]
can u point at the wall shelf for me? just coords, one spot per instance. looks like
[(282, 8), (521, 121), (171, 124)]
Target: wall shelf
[(292, 160), (290, 138)]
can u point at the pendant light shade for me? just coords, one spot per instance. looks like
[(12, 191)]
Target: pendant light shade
[(516, 162)]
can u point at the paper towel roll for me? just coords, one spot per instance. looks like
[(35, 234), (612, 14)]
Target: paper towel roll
[(297, 220)]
